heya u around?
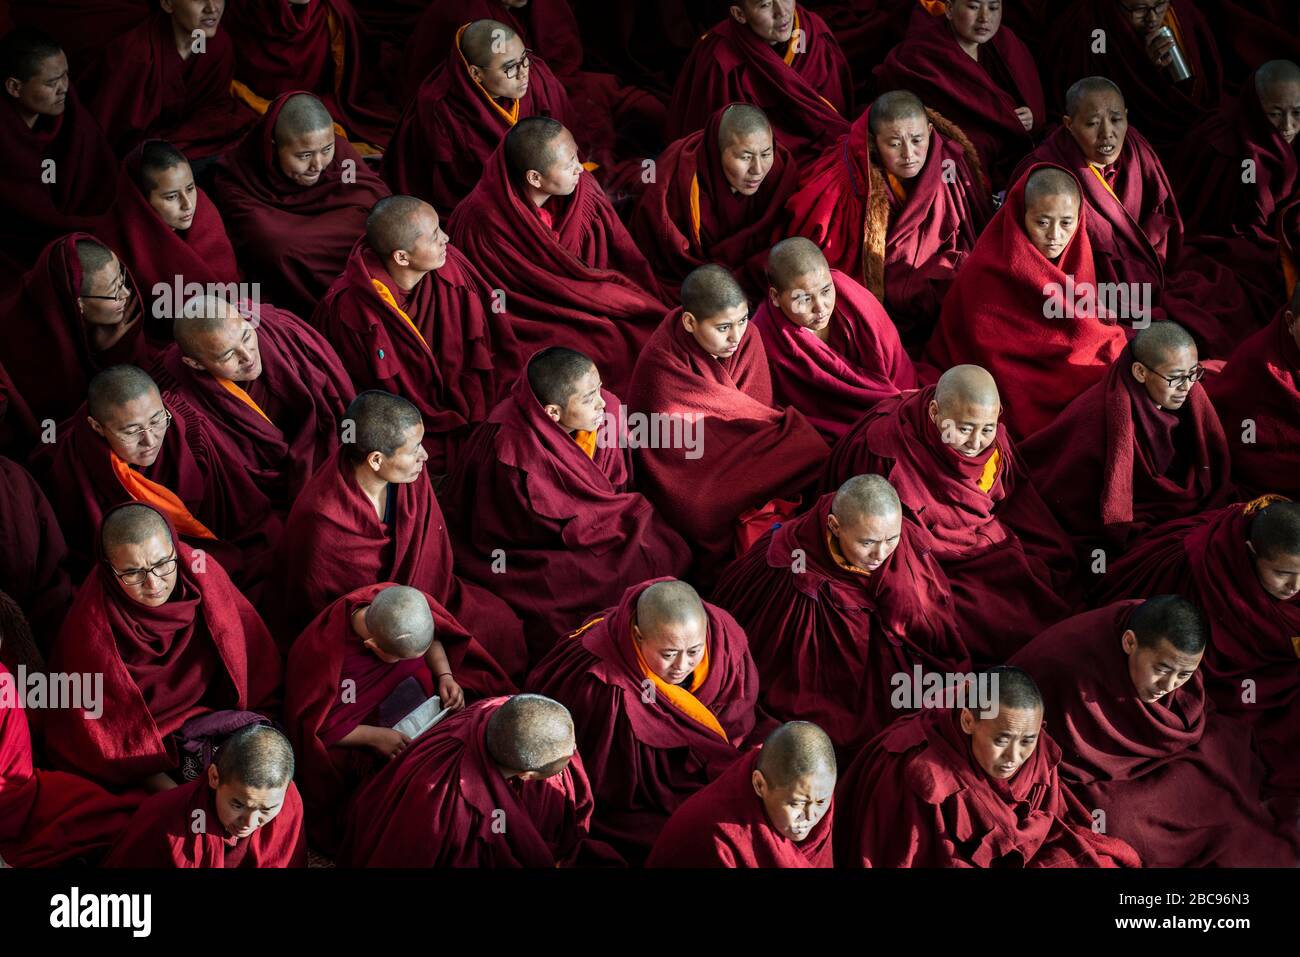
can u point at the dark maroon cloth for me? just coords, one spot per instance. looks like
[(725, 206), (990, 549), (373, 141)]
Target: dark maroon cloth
[(80, 26), (1253, 634), (866, 30), (294, 239), (33, 553), (829, 638), (1177, 780), (646, 757)]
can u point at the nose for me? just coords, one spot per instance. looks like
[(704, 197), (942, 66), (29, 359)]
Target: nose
[(186, 201), (148, 440), (600, 403)]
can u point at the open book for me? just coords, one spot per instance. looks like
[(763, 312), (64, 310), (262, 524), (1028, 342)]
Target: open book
[(421, 719)]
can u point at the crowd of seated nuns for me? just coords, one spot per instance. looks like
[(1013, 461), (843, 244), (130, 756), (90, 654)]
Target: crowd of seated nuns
[(459, 435)]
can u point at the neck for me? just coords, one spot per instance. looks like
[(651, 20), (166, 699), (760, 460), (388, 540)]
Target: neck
[(405, 277), (29, 119), (374, 487), (183, 40), (536, 196), (969, 47)]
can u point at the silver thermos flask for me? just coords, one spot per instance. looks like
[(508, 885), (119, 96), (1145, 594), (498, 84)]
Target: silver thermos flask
[(1178, 68)]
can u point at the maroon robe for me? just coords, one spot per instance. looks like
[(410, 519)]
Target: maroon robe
[(139, 88), (915, 797), (808, 99), (689, 215), (451, 359), (334, 543), (906, 252), (301, 394), (573, 529), (1257, 396), (162, 834), (866, 30), (317, 716), (1177, 780), (1253, 634), (828, 637), (750, 451), (724, 824), (580, 283), (981, 97), (995, 316), (1113, 465), (294, 239), (646, 757), (443, 802), (1009, 563), (33, 554), (38, 211), (80, 26), (204, 650)]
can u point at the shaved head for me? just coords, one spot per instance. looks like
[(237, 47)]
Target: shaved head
[(740, 121), (967, 385), (554, 374), (258, 756), (23, 50), (201, 316), (530, 145), (156, 158), (1081, 90), (1016, 690), (381, 423), (400, 621), (794, 751), (482, 39), (793, 259), (1275, 530), (1158, 342), (710, 291), (301, 115), (395, 222), (1276, 73), (1170, 618), (93, 256), (667, 604), (531, 734), (132, 524), (1050, 181), (116, 386), (865, 496), (893, 106)]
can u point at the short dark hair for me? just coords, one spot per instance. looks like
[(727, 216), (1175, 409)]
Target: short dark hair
[(380, 421), (1170, 618)]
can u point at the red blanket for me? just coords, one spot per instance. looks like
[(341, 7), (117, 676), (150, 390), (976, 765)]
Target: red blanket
[(162, 834), (1010, 564), (139, 88), (582, 284), (294, 239), (905, 254), (827, 638), (646, 757), (334, 543), (994, 316), (689, 215), (749, 451), (805, 87), (1112, 465), (1260, 386), (33, 554), (573, 529), (1252, 633), (916, 798), (724, 824), (1176, 779)]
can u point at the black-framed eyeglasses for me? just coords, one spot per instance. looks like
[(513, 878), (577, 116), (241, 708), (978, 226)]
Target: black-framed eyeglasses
[(123, 291), (1146, 9), (1187, 378), (511, 70), (138, 576), (156, 425)]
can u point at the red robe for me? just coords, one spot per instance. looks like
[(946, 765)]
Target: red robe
[(47, 353), (572, 528), (580, 282), (80, 26), (750, 452), (650, 745), (1010, 564), (1260, 384), (828, 637), (162, 834), (441, 345), (452, 126), (285, 423), (334, 543), (724, 824), (689, 215), (204, 650), (281, 47), (1156, 106), (1112, 465), (980, 97), (139, 88), (866, 31), (834, 382), (48, 818), (1177, 780), (38, 211), (444, 803), (906, 251), (916, 798), (1137, 237), (993, 316), (33, 554), (807, 94), (294, 239), (158, 254), (1251, 32), (1253, 635), (317, 717)]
